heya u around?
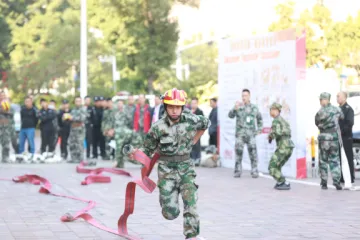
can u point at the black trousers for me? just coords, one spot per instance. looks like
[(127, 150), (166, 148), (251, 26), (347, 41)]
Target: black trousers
[(47, 140), (213, 139), (196, 151), (89, 139), (64, 134), (98, 141), (348, 145)]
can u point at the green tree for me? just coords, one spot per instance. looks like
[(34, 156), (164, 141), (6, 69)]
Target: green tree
[(316, 24)]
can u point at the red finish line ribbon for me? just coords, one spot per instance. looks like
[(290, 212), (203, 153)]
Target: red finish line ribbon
[(95, 177)]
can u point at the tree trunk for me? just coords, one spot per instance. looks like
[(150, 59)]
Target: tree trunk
[(151, 79)]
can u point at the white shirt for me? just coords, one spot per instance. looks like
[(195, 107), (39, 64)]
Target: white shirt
[(155, 116)]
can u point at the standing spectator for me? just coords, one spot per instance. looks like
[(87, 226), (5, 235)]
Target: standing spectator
[(17, 126), (64, 121), (29, 121), (142, 117), (214, 122), (6, 126), (106, 125), (47, 128), (88, 126), (195, 153), (98, 137), (52, 105), (131, 110), (158, 111), (346, 126), (77, 133)]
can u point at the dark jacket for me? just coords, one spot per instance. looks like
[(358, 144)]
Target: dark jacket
[(214, 121), (161, 112), (63, 125), (347, 123), (47, 118), (89, 110), (28, 117), (96, 116)]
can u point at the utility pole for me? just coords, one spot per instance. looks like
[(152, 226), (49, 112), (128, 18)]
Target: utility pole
[(83, 51)]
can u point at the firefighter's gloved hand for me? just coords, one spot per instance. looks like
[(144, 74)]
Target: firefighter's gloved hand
[(270, 139)]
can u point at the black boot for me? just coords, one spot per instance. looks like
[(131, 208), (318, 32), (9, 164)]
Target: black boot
[(282, 186), (337, 186)]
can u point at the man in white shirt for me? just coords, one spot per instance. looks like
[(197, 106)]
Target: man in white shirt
[(158, 111)]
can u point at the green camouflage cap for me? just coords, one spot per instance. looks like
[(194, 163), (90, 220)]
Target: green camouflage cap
[(325, 95), (276, 106)]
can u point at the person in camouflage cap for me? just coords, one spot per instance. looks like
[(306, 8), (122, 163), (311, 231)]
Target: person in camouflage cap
[(173, 137), (281, 132), (77, 131), (106, 123), (249, 123), (326, 119), (122, 134)]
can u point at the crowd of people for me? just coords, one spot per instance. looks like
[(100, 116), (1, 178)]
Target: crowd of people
[(102, 121)]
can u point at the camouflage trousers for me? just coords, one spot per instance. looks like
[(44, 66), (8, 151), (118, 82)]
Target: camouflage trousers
[(277, 161), (108, 149), (329, 153), (76, 143), (240, 142), (5, 140), (175, 179), (124, 136)]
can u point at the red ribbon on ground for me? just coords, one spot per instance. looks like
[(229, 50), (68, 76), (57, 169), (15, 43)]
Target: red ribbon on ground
[(95, 177)]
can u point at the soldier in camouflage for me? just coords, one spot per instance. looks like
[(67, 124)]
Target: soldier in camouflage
[(281, 132), (106, 125), (173, 137), (248, 124), (77, 132), (122, 133), (326, 119), (6, 127)]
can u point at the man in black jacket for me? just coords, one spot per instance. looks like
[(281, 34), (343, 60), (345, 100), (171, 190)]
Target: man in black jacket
[(346, 125), (98, 137), (195, 154), (64, 127), (47, 128), (29, 121), (214, 122)]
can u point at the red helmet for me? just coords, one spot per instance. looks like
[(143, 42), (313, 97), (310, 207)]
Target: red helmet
[(175, 97)]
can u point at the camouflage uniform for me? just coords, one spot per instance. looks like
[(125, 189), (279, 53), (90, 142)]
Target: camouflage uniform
[(6, 131), (77, 134), (247, 117), (123, 136), (326, 120), (176, 171), (281, 132), (130, 110), (106, 124)]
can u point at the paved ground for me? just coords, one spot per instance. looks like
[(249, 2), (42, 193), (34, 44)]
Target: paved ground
[(229, 208)]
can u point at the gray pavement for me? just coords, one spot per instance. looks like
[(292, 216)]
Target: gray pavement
[(229, 208)]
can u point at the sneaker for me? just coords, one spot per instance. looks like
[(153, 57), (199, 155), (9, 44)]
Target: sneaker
[(282, 186), (255, 175), (337, 186), (237, 174)]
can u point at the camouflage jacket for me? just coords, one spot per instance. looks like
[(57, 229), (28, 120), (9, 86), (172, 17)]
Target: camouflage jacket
[(78, 115), (108, 119), (130, 111), (121, 120), (326, 119), (248, 119), (174, 138), (281, 132)]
